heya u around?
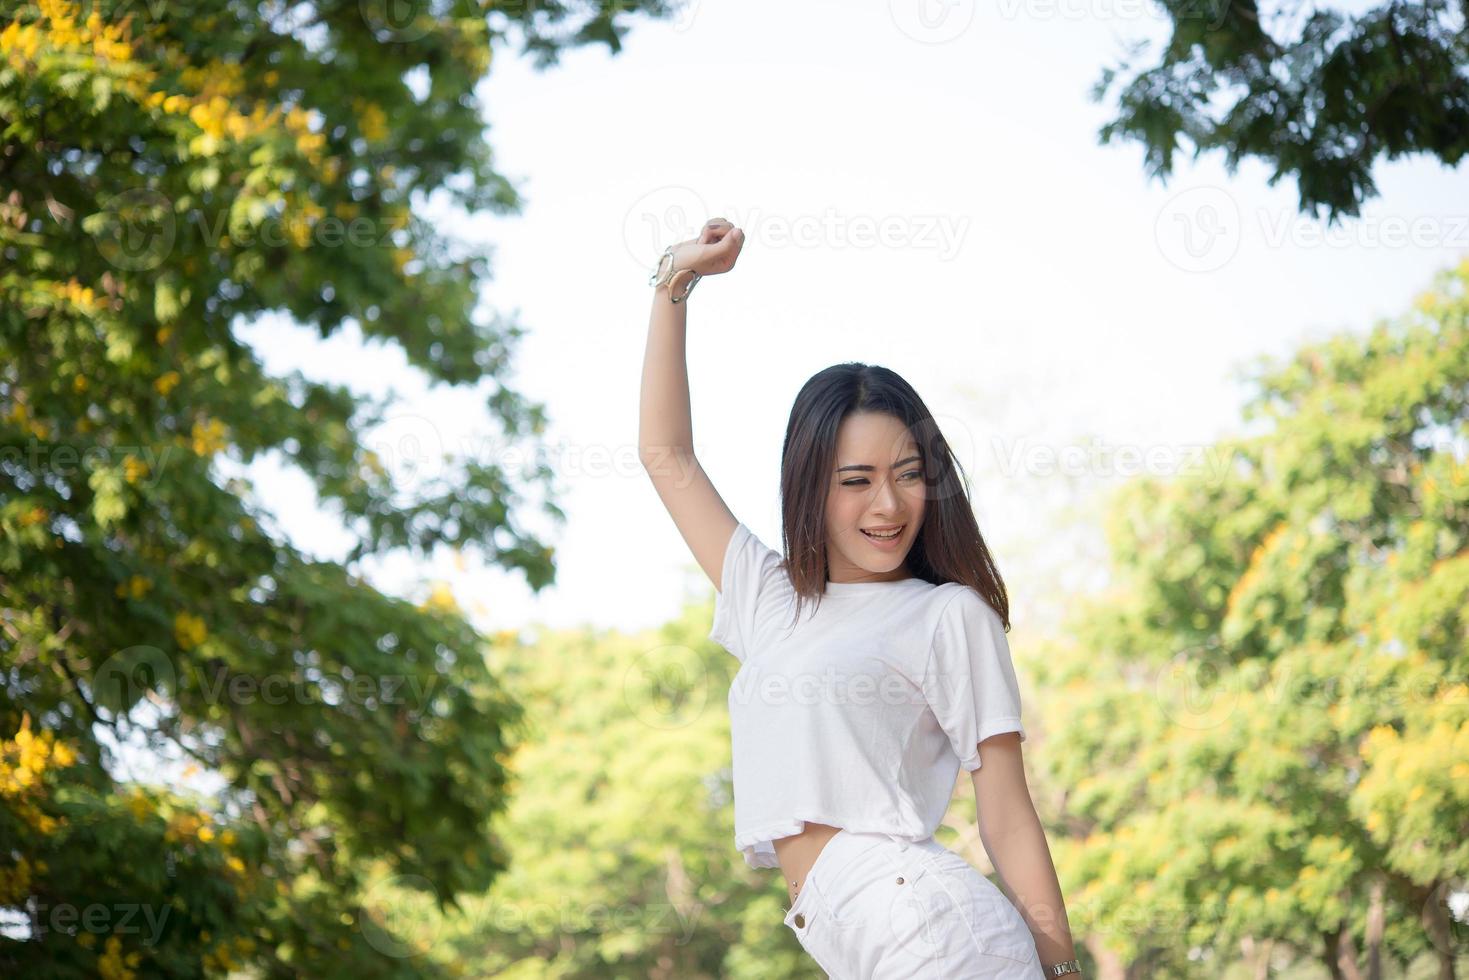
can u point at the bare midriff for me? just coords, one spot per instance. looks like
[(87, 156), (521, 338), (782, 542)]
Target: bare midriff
[(798, 852)]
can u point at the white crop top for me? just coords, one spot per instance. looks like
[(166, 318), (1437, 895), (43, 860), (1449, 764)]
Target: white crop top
[(862, 715)]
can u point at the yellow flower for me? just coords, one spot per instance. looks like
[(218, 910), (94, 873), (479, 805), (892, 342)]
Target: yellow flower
[(166, 382), (189, 630), (134, 469), (112, 965), (371, 119), (208, 437), (140, 806), (440, 599)]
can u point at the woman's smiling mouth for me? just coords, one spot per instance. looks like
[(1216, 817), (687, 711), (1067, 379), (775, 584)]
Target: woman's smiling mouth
[(884, 537)]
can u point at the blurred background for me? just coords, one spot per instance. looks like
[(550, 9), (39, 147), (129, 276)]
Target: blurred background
[(343, 634)]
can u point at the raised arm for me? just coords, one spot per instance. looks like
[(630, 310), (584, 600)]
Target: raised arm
[(665, 429)]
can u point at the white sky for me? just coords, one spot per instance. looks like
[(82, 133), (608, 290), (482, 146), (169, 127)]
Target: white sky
[(1036, 288)]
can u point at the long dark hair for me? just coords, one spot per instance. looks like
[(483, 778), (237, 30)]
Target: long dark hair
[(949, 547)]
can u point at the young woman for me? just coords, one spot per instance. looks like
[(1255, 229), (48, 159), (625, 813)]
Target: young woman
[(873, 667)]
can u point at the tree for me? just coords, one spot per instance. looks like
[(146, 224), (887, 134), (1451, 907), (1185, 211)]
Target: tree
[(162, 176), (1265, 722), (622, 823), (1318, 96)]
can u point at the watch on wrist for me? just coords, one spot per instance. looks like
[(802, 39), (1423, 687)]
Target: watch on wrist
[(1062, 969)]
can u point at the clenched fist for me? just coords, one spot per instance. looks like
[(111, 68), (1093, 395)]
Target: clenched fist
[(713, 252)]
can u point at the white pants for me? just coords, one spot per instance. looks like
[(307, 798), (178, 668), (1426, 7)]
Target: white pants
[(877, 907)]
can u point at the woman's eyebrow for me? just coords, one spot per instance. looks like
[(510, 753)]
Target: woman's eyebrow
[(864, 467)]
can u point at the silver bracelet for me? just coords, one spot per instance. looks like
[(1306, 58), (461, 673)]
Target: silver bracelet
[(660, 278), (1061, 969)]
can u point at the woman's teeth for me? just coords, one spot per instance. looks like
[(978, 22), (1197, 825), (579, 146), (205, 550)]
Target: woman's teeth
[(887, 536)]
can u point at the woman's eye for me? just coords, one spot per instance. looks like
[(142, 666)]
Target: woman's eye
[(862, 479)]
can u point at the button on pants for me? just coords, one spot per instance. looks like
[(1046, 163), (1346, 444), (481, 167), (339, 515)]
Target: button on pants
[(877, 907)]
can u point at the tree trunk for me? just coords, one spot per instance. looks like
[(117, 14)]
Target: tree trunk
[(1347, 955), (1340, 954), (1109, 964), (1256, 954), (1375, 921)]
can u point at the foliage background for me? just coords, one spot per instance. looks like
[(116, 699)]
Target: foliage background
[(1255, 742)]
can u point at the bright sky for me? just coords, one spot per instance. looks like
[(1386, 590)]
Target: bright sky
[(921, 187)]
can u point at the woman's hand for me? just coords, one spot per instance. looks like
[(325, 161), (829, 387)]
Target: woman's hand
[(713, 252)]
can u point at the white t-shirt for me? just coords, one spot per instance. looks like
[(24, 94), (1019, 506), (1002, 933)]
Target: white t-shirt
[(862, 715)]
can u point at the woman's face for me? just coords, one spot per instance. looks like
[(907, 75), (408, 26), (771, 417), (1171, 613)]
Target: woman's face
[(877, 482)]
